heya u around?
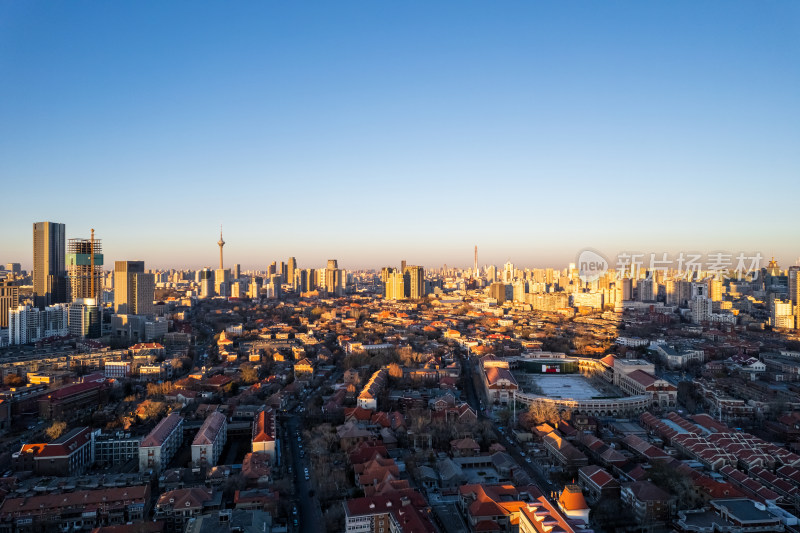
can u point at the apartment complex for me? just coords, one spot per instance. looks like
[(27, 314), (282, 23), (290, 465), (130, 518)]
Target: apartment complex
[(160, 446), (210, 438)]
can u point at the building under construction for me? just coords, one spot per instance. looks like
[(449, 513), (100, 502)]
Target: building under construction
[(85, 269)]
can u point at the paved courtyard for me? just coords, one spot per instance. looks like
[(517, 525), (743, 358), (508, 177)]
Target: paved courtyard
[(565, 386)]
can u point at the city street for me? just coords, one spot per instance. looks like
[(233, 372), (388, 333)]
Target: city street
[(309, 514)]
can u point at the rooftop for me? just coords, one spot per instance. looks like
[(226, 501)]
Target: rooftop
[(159, 435)]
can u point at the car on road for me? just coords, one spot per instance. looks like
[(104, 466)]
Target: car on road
[(527, 459)]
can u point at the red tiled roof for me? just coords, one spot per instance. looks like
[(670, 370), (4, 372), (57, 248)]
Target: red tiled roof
[(211, 427), (67, 444), (159, 435), (265, 426)]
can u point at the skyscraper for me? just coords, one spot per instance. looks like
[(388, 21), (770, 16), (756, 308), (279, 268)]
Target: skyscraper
[(794, 285), (291, 266), (222, 282), (49, 272), (414, 282), (85, 269), (395, 285), (206, 283), (508, 272), (134, 289), (333, 278)]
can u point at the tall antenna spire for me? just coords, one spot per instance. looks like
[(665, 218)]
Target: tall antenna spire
[(221, 243)]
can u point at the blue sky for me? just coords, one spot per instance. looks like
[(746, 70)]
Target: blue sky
[(379, 131)]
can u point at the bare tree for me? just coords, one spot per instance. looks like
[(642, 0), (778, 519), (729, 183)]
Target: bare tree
[(55, 430)]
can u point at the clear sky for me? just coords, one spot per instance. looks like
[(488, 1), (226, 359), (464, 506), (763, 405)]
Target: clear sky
[(375, 131)]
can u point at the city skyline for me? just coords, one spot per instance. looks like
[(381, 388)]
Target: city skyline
[(371, 133), (644, 256)]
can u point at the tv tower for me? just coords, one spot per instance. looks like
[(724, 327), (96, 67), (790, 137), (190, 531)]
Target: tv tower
[(475, 272), (221, 244)]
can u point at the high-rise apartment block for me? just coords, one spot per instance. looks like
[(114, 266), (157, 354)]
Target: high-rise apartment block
[(414, 281), (30, 324), (394, 285), (9, 299), (404, 284)]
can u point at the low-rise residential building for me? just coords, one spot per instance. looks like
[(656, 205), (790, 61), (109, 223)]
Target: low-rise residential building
[(304, 369), (598, 483), (263, 440), (368, 399), (177, 507), (210, 439), (161, 445), (399, 512), (649, 503), (73, 511)]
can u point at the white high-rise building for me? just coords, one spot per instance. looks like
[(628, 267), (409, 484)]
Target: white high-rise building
[(701, 309), (55, 321), (508, 272), (23, 325)]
